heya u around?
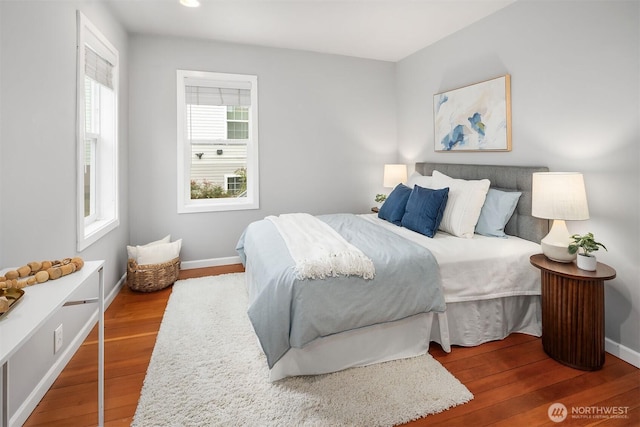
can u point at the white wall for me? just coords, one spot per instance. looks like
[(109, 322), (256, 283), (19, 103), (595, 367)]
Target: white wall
[(326, 127), (575, 69), (38, 134)]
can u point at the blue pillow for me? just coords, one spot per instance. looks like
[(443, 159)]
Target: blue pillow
[(424, 210), (496, 212), (392, 209)]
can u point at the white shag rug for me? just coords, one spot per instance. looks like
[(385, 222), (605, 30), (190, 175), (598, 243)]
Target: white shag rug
[(207, 369)]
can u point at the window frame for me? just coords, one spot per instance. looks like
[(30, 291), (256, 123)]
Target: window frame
[(184, 202), (106, 195)]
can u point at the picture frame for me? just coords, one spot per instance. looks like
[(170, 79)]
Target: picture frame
[(474, 118)]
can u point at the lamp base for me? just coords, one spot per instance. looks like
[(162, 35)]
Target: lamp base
[(555, 245)]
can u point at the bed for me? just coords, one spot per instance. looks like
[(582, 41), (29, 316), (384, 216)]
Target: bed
[(488, 287)]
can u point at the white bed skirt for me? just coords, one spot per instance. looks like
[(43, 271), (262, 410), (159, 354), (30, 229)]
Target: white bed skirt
[(464, 323)]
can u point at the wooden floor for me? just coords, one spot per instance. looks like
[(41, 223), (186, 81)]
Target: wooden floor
[(514, 382)]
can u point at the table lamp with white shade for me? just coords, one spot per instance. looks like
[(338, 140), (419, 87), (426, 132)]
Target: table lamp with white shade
[(559, 196), (394, 174)]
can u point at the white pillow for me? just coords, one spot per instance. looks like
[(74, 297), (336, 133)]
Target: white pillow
[(157, 254), (417, 179), (132, 251), (466, 198)]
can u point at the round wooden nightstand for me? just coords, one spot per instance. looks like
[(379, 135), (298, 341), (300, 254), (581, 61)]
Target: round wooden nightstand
[(573, 312)]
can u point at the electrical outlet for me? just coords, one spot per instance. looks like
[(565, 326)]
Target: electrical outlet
[(57, 339)]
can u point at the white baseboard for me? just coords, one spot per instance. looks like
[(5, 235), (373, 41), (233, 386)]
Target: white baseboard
[(108, 299), (212, 262), (622, 352)]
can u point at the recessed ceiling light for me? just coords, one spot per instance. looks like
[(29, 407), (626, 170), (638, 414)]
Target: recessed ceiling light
[(190, 3)]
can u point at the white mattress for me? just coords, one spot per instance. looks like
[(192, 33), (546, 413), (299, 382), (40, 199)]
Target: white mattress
[(480, 268)]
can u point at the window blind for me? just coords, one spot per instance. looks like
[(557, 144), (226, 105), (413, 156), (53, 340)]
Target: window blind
[(221, 96), (206, 123), (98, 68)]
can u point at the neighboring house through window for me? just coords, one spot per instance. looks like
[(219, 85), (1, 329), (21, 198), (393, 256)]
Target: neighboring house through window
[(97, 145), (217, 141)]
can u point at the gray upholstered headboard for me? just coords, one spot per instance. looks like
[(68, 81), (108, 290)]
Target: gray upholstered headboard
[(514, 178)]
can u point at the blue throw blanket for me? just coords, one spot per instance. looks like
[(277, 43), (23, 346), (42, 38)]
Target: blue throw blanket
[(287, 312)]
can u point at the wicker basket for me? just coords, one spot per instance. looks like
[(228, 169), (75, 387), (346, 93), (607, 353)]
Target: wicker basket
[(152, 277)]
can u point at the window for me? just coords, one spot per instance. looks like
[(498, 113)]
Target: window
[(234, 184), (217, 141), (97, 89)]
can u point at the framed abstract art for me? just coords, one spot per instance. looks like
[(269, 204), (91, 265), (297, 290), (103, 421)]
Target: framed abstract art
[(474, 118)]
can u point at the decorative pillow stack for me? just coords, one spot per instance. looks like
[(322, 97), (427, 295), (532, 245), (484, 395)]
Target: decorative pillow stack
[(424, 210), (418, 209), (157, 252), (393, 208), (457, 206), (496, 212), (466, 198), (421, 180)]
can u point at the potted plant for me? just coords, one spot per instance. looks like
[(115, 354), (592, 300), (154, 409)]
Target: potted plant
[(380, 198), (585, 260)]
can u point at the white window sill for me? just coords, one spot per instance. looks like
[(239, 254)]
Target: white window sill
[(216, 206), (95, 231)]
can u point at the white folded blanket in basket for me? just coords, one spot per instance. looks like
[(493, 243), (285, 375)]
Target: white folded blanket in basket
[(318, 250)]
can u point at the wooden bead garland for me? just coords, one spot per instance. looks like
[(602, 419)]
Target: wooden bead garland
[(39, 272)]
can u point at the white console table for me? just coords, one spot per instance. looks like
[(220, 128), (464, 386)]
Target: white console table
[(36, 307)]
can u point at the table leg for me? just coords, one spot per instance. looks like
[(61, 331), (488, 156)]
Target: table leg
[(101, 348), (4, 394)]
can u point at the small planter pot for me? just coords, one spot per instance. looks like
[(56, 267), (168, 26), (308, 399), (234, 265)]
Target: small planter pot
[(587, 262)]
